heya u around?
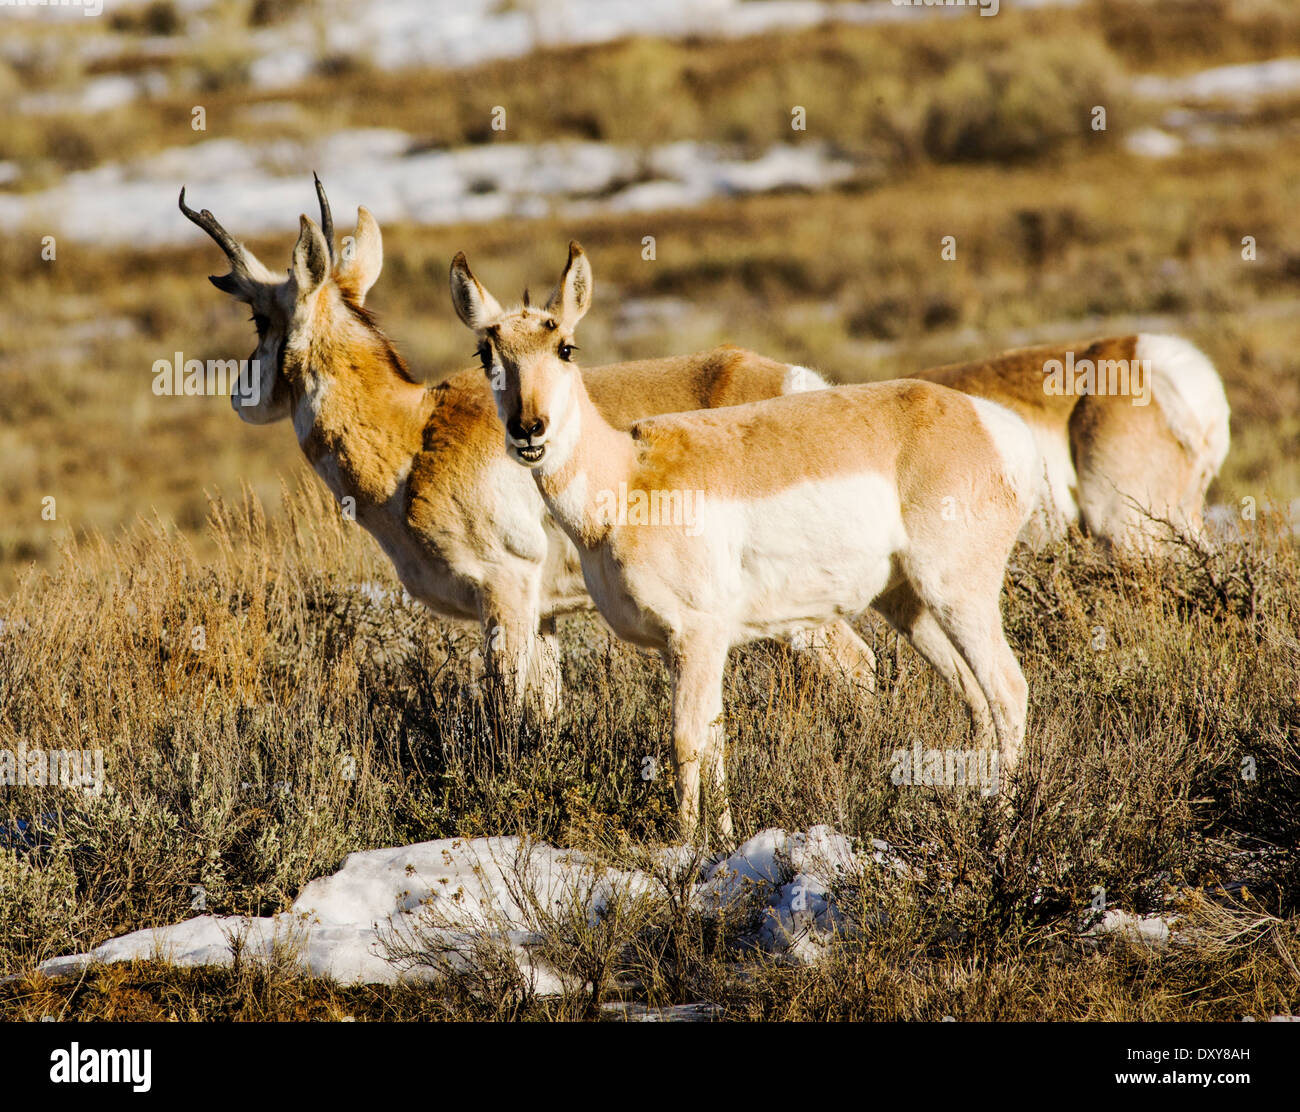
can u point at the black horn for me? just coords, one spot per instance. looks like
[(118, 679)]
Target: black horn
[(326, 219), (209, 224)]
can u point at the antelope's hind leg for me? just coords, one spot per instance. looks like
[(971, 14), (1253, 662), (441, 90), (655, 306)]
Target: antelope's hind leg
[(905, 611), (840, 653)]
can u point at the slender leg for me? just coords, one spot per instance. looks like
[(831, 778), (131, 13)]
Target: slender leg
[(509, 630), (544, 686), (838, 651), (976, 629), (914, 620), (696, 665)]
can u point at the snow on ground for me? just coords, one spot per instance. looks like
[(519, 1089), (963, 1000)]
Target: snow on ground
[(1150, 930), (1152, 142), (394, 34), (1226, 523), (256, 188), (801, 916), (1248, 81), (357, 924)]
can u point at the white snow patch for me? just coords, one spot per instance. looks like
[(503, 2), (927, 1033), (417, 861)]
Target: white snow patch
[(256, 187), (394, 34), (1151, 930), (1248, 81), (1151, 142), (452, 890), (795, 873)]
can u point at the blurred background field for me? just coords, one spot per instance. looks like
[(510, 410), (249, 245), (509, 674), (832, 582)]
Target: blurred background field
[(625, 120), (820, 246)]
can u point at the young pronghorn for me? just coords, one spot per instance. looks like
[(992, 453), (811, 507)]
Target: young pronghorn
[(1114, 463), (904, 496), (425, 467)]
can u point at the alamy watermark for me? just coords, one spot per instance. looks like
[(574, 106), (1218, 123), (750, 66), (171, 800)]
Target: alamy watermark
[(52, 768), (181, 377), (681, 508), (1130, 378), (986, 7), (946, 768)]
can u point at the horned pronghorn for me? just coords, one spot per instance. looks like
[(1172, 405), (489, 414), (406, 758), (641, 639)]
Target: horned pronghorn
[(1114, 463), (904, 496), (464, 527)]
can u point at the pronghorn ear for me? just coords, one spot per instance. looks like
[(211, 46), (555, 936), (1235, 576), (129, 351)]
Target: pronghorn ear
[(474, 305), (227, 283), (572, 297), (311, 258), (362, 258)]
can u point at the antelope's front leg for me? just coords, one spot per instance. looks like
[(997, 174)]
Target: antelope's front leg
[(696, 667), (544, 684), (509, 633)]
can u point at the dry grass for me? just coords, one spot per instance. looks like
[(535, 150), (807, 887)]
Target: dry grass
[(893, 95), (226, 770), (1019, 84), (226, 751)]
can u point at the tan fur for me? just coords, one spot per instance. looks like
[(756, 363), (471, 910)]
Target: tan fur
[(466, 529), (1128, 461)]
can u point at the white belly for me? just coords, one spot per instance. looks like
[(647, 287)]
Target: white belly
[(814, 552), (758, 568)]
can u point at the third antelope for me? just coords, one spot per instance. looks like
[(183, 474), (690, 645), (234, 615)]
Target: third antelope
[(1140, 445)]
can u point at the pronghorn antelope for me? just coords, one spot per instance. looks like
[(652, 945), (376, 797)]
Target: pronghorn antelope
[(425, 466), (1114, 463), (818, 505)]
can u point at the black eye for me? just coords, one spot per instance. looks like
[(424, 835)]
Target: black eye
[(484, 353), (260, 323), (566, 351)]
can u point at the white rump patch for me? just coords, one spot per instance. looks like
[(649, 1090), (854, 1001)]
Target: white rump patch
[(1022, 462), (1190, 395), (801, 380)]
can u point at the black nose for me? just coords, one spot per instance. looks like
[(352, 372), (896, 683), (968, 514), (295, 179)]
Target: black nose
[(520, 431)]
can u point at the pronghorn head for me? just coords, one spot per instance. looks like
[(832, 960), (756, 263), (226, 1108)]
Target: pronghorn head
[(319, 295), (527, 353)]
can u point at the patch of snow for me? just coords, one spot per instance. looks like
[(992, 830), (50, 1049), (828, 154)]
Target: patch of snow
[(1248, 81), (1150, 930), (395, 34), (1151, 142), (256, 187), (795, 873), (452, 890), (96, 94)]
